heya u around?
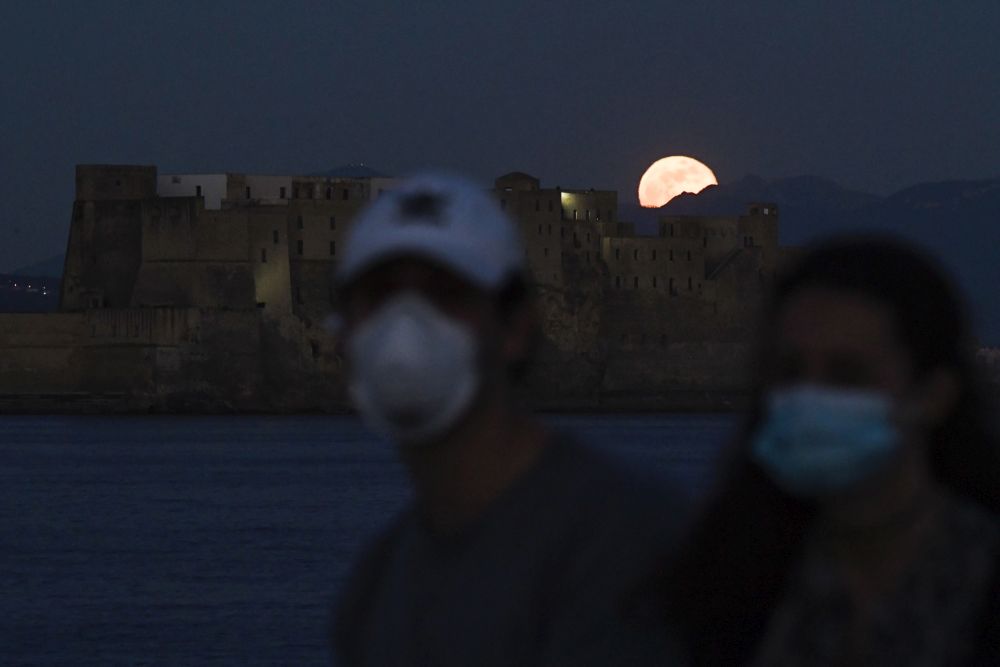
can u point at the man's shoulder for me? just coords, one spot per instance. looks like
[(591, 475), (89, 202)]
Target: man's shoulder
[(358, 591), (606, 500), (609, 481)]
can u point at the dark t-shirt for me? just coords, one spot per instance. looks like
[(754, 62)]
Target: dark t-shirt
[(546, 576)]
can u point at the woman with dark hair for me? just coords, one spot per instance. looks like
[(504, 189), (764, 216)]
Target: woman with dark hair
[(856, 522)]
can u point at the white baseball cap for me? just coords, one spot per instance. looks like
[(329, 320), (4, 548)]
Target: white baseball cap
[(444, 219)]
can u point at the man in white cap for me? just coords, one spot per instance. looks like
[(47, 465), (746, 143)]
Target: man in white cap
[(521, 546)]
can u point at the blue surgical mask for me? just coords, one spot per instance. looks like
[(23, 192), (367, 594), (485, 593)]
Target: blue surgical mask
[(816, 440)]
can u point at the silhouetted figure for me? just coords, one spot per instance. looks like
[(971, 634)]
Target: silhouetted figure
[(519, 544), (856, 523)]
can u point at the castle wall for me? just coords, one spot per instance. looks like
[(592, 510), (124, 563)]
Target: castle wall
[(103, 254), (192, 257), (212, 187), (103, 182), (674, 266), (268, 239)]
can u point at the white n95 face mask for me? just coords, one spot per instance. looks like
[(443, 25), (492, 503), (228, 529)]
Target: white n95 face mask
[(413, 370)]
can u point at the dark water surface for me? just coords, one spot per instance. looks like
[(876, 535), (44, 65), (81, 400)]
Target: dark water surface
[(221, 540)]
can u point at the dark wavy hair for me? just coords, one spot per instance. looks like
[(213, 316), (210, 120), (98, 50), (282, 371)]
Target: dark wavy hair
[(727, 579)]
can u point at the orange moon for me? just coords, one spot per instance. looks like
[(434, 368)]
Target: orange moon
[(670, 176)]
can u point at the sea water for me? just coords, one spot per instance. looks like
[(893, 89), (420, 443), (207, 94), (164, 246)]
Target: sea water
[(223, 540)]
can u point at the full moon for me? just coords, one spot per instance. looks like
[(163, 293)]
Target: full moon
[(670, 176)]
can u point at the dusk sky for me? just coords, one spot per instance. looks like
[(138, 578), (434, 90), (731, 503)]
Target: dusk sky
[(876, 96)]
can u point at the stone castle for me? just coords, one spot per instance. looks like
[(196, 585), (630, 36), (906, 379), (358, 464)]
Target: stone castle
[(204, 292)]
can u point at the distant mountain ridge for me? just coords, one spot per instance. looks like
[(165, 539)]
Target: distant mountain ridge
[(51, 267)]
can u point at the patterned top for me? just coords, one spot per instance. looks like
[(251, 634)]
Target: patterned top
[(934, 615)]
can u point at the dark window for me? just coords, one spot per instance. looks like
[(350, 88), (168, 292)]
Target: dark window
[(704, 242), (671, 254), (562, 232), (635, 254), (263, 255), (300, 248), (503, 204), (635, 282), (588, 257), (588, 238), (298, 294), (274, 234), (281, 193), (545, 252), (197, 190), (333, 248), (550, 206), (610, 217), (654, 255), (690, 287), (671, 287), (298, 222), (588, 214), (618, 281), (345, 194), (550, 229), (574, 214), (248, 192), (333, 222), (671, 229), (539, 230), (689, 255), (618, 253), (654, 282), (295, 193), (329, 193), (538, 205)]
